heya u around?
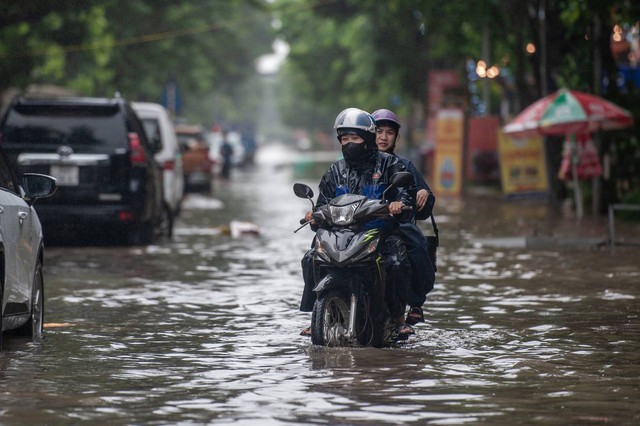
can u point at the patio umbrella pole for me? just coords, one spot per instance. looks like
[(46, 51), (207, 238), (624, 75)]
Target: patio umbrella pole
[(576, 182)]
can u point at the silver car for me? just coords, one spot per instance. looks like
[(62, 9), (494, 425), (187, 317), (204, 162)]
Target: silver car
[(21, 251)]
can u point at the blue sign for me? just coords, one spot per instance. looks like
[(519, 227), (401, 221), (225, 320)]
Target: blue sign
[(171, 98)]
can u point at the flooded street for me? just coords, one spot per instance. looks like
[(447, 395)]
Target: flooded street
[(203, 329)]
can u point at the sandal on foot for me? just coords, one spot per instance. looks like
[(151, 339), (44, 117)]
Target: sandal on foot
[(415, 316), (404, 330), (306, 332)]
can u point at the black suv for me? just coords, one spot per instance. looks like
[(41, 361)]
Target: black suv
[(97, 149)]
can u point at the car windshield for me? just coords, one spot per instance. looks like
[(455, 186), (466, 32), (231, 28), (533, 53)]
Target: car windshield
[(77, 125)]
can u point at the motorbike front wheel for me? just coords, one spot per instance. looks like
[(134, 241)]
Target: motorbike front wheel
[(330, 319), (370, 323)]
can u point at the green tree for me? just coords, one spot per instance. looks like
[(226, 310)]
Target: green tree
[(375, 54), (207, 47), (36, 39), (379, 53)]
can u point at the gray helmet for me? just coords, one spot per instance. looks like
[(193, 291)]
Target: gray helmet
[(356, 121)]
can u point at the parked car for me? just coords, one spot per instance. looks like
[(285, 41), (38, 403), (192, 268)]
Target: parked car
[(161, 132), (21, 251), (198, 167), (97, 149)]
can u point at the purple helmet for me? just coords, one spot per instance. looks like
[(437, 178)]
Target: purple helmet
[(381, 115)]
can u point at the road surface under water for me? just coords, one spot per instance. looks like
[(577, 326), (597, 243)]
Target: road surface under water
[(203, 329)]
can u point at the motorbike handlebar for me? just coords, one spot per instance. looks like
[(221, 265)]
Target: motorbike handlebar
[(303, 223)]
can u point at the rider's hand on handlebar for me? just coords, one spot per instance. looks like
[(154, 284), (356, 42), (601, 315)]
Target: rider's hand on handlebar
[(308, 217), (395, 207)]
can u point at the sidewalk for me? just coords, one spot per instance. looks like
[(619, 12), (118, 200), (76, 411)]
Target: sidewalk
[(488, 219)]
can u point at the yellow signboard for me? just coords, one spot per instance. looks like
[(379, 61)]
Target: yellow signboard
[(522, 165), (448, 157)]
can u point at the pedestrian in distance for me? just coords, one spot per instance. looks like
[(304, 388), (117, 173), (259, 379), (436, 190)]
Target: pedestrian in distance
[(226, 153)]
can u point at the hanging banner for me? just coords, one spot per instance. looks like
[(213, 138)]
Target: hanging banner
[(522, 166), (439, 82), (448, 159)]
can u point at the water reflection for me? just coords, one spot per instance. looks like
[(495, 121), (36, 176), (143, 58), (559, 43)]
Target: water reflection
[(204, 329)]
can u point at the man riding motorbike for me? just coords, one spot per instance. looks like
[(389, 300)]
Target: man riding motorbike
[(423, 271), (366, 171)]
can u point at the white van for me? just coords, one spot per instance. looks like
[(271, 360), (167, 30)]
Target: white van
[(159, 127)]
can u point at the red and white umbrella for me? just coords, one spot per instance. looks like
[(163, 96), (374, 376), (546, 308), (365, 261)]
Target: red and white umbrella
[(569, 112)]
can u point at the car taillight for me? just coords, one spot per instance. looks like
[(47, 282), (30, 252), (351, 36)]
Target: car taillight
[(138, 155), (169, 165), (126, 216)]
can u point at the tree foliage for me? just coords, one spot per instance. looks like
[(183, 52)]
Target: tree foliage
[(135, 47), (377, 54), (373, 54)]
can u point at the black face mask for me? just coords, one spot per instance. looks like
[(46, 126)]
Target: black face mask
[(354, 152)]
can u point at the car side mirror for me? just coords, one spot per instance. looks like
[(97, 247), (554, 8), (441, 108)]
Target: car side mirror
[(36, 186)]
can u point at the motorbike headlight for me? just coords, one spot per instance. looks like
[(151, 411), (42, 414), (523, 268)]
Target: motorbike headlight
[(342, 215)]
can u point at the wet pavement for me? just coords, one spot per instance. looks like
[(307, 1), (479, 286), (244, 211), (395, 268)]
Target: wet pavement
[(203, 329)]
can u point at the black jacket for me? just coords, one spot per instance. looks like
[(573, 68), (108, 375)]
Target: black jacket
[(369, 179), (420, 183)]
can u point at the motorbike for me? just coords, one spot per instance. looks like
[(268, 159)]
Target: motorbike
[(350, 304)]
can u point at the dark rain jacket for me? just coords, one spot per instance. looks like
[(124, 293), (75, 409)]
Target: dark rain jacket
[(370, 179), (420, 183), (423, 271)]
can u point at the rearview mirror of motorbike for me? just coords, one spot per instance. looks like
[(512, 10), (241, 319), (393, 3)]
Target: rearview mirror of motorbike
[(400, 179), (302, 191)]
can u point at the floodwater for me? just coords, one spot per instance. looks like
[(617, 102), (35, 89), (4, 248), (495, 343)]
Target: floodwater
[(203, 329)]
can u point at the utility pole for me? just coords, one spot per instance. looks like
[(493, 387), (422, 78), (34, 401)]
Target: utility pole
[(542, 18), (596, 189), (485, 81)]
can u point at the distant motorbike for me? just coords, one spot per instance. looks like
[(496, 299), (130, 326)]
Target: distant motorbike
[(350, 305)]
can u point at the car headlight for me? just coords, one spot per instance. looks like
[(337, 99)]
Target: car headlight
[(342, 215)]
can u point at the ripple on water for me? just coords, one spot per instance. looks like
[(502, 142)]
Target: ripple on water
[(203, 329)]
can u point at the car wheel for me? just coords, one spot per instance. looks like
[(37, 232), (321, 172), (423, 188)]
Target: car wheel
[(141, 234), (33, 328)]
